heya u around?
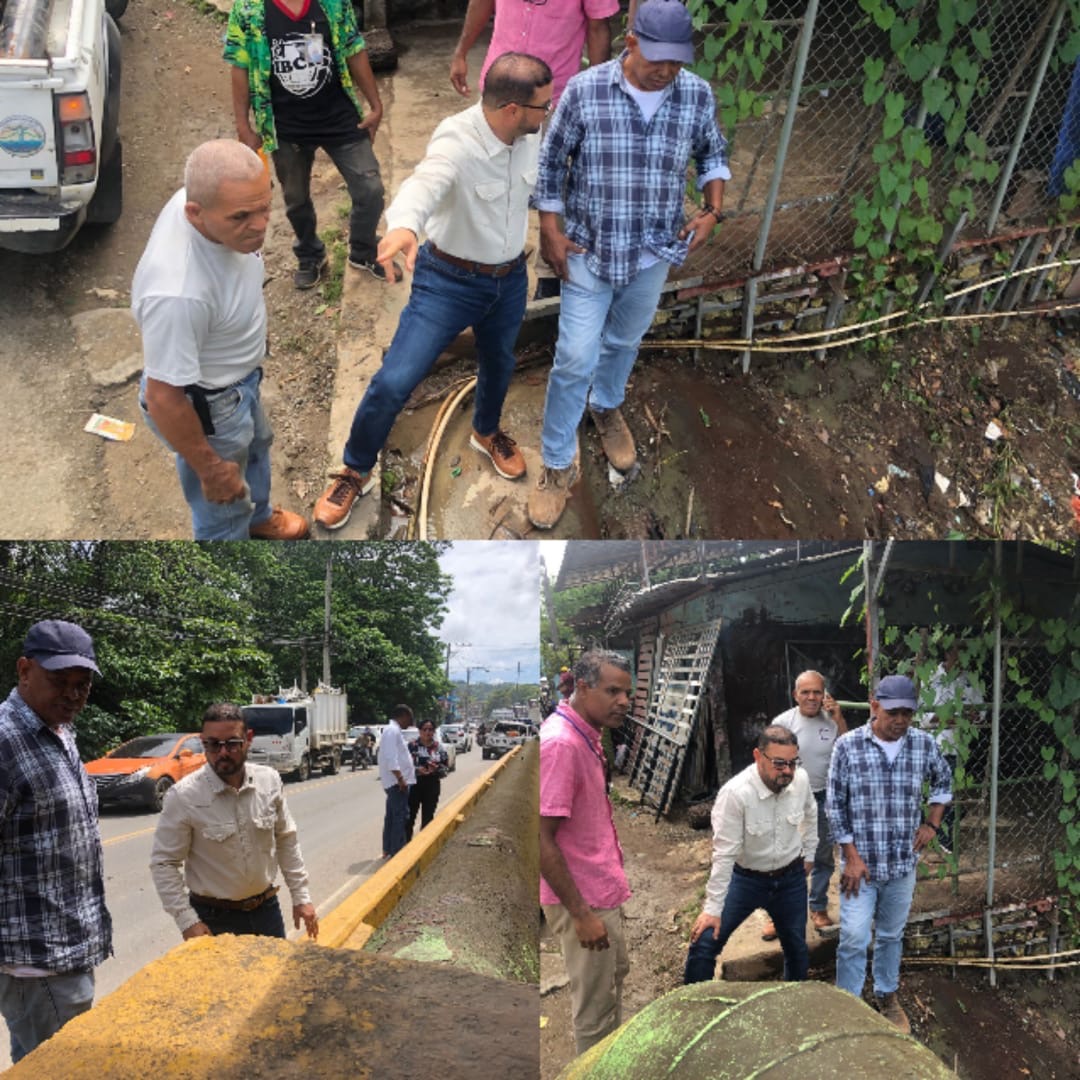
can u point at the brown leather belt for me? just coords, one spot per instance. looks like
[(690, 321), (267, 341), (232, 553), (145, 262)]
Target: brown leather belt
[(250, 904), (496, 270), (796, 862)]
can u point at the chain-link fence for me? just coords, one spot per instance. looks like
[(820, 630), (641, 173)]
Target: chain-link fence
[(904, 131)]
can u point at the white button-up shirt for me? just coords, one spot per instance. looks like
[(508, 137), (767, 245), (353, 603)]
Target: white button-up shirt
[(759, 829), (394, 754), (225, 842), (470, 194)]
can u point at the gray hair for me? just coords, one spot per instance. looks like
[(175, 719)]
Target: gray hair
[(774, 733), (212, 163), (588, 665)]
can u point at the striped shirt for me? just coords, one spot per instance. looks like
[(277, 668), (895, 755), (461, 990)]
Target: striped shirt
[(877, 805), (618, 180), (52, 889)]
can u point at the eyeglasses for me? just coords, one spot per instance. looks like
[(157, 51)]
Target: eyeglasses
[(788, 764), (545, 108), (215, 746)]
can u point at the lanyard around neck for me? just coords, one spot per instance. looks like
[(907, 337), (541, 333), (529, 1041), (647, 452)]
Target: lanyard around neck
[(598, 754)]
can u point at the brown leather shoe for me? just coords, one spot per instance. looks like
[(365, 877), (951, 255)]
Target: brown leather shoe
[(768, 931), (822, 923), (615, 437), (889, 1007), (281, 525), (505, 456), (547, 500), (335, 504)]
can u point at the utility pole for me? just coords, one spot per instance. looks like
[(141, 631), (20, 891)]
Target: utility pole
[(468, 678), (326, 616), (454, 645)]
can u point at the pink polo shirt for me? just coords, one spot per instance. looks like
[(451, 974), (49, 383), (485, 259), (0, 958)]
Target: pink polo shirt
[(572, 788), (553, 31)]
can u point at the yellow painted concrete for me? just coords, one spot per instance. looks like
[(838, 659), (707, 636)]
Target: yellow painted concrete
[(357, 917)]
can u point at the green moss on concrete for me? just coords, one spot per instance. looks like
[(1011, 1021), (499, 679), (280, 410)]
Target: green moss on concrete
[(429, 948)]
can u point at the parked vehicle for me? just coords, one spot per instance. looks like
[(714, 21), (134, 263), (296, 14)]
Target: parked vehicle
[(458, 735), (295, 733), (143, 769), (449, 747), (61, 162), (503, 737)]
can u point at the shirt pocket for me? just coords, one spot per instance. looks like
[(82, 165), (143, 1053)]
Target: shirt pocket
[(219, 833), (490, 191)]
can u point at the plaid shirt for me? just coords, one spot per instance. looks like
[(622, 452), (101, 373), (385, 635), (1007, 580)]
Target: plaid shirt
[(52, 889), (880, 805), (618, 181)]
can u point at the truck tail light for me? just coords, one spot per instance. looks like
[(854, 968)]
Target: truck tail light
[(78, 149)]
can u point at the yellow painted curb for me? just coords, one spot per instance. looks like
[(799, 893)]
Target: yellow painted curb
[(358, 916)]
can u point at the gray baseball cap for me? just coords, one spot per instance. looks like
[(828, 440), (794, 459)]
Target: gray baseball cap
[(56, 645), (664, 31)]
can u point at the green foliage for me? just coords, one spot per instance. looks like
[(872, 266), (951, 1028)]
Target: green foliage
[(180, 625)]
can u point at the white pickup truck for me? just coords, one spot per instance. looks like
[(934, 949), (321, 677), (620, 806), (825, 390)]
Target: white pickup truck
[(60, 152)]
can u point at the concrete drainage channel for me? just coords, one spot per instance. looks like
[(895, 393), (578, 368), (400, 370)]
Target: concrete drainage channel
[(430, 968)]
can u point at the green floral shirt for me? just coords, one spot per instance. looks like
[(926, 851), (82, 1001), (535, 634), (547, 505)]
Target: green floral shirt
[(246, 47)]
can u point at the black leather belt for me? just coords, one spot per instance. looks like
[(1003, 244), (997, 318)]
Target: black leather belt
[(796, 862), (496, 270), (250, 904)]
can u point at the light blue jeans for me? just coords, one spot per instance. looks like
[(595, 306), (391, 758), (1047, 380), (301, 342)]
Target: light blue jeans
[(37, 1007), (600, 328), (241, 434), (886, 905)]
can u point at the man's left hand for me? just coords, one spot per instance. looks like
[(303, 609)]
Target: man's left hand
[(311, 920), (701, 225), (371, 122)]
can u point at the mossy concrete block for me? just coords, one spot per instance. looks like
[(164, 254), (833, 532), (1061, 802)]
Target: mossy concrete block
[(758, 1031)]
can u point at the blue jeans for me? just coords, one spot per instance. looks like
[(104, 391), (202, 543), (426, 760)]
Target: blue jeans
[(241, 434), (396, 820), (784, 898), (600, 328), (356, 162), (265, 921), (824, 862), (37, 1007), (444, 301), (885, 904)]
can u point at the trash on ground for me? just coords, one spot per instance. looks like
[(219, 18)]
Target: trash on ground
[(110, 428)]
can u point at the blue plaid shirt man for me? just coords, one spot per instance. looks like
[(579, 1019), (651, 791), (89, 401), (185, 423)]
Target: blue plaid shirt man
[(52, 892), (618, 180), (878, 806)]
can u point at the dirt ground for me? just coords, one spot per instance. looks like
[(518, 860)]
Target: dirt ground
[(1027, 1027)]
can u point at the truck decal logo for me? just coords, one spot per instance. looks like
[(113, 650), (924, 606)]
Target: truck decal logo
[(21, 136)]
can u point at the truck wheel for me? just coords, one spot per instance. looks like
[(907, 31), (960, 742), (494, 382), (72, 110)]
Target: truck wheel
[(304, 771), (116, 8), (108, 201), (333, 763), (158, 797)]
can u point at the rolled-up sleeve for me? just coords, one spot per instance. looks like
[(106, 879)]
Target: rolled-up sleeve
[(172, 842), (727, 825)]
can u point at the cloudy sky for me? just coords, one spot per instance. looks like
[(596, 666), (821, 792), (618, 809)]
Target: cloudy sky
[(494, 616)]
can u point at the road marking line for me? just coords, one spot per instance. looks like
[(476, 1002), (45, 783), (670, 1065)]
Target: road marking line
[(126, 836)]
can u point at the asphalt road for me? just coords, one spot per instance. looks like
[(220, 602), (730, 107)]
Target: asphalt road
[(340, 823)]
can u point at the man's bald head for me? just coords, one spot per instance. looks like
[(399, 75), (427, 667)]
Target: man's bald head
[(216, 162)]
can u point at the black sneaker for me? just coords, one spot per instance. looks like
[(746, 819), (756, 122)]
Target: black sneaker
[(307, 274), (375, 269)]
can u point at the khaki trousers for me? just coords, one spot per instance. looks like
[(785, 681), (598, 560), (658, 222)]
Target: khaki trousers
[(596, 975)]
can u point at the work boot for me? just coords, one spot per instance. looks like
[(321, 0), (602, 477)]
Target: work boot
[(547, 500), (281, 525), (768, 931), (615, 438), (505, 456), (307, 274), (336, 502), (822, 923), (889, 1007)]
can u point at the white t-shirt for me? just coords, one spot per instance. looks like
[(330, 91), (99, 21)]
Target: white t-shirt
[(394, 754), (817, 735), (198, 304)]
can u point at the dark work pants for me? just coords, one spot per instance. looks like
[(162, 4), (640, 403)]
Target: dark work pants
[(265, 920), (423, 795), (784, 898)]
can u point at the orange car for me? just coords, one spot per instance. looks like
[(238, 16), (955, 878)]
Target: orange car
[(143, 769)]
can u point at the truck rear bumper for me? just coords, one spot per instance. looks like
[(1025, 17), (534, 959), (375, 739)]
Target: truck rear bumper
[(36, 224)]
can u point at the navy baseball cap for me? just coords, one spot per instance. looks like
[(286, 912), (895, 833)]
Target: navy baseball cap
[(664, 31), (897, 692), (56, 644)]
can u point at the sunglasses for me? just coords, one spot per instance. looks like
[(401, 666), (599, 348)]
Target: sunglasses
[(215, 746), (787, 764)]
